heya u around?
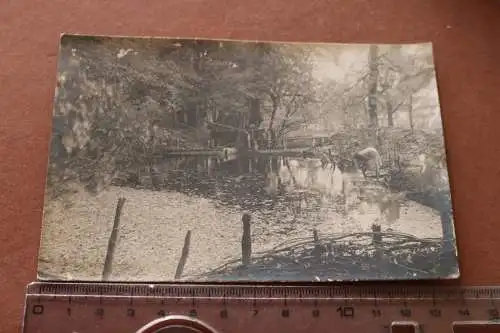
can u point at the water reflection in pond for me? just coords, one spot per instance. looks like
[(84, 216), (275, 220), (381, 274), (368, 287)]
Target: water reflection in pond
[(283, 194), (280, 189)]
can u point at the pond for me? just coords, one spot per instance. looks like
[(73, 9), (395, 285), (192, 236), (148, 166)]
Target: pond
[(289, 199), (278, 191)]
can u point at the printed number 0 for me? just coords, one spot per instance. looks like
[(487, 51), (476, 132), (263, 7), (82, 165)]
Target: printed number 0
[(37, 309)]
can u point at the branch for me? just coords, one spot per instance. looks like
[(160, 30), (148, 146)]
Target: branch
[(290, 126), (425, 107), (396, 108), (427, 70), (410, 94), (364, 75), (287, 115)]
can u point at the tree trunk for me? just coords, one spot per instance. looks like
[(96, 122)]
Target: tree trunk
[(270, 129), (255, 116), (274, 100), (175, 116), (410, 113), (373, 84), (390, 119)]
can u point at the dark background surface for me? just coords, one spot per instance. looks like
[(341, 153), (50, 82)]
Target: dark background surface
[(466, 37)]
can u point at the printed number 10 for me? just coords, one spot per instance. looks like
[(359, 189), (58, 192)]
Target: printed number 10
[(346, 311)]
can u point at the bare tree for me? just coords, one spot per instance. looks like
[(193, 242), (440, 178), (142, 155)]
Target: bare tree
[(289, 86), (373, 85), (402, 78)]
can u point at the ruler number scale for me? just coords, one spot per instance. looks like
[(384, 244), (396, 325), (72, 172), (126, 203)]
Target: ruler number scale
[(99, 307)]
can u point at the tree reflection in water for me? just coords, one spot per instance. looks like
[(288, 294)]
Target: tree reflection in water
[(272, 186)]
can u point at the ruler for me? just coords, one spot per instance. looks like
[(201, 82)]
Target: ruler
[(183, 308)]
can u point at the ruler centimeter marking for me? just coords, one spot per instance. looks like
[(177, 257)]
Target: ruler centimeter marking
[(264, 291), (108, 307)]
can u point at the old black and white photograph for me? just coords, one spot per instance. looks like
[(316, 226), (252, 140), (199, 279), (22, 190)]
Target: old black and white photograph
[(178, 159)]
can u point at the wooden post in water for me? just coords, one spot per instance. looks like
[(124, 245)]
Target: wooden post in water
[(108, 263), (184, 256), (246, 240)]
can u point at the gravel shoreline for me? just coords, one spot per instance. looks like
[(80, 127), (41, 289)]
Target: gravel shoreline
[(153, 227)]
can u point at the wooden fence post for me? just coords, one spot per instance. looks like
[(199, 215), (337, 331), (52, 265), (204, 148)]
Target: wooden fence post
[(377, 240), (184, 256), (318, 249), (246, 240), (108, 263)]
